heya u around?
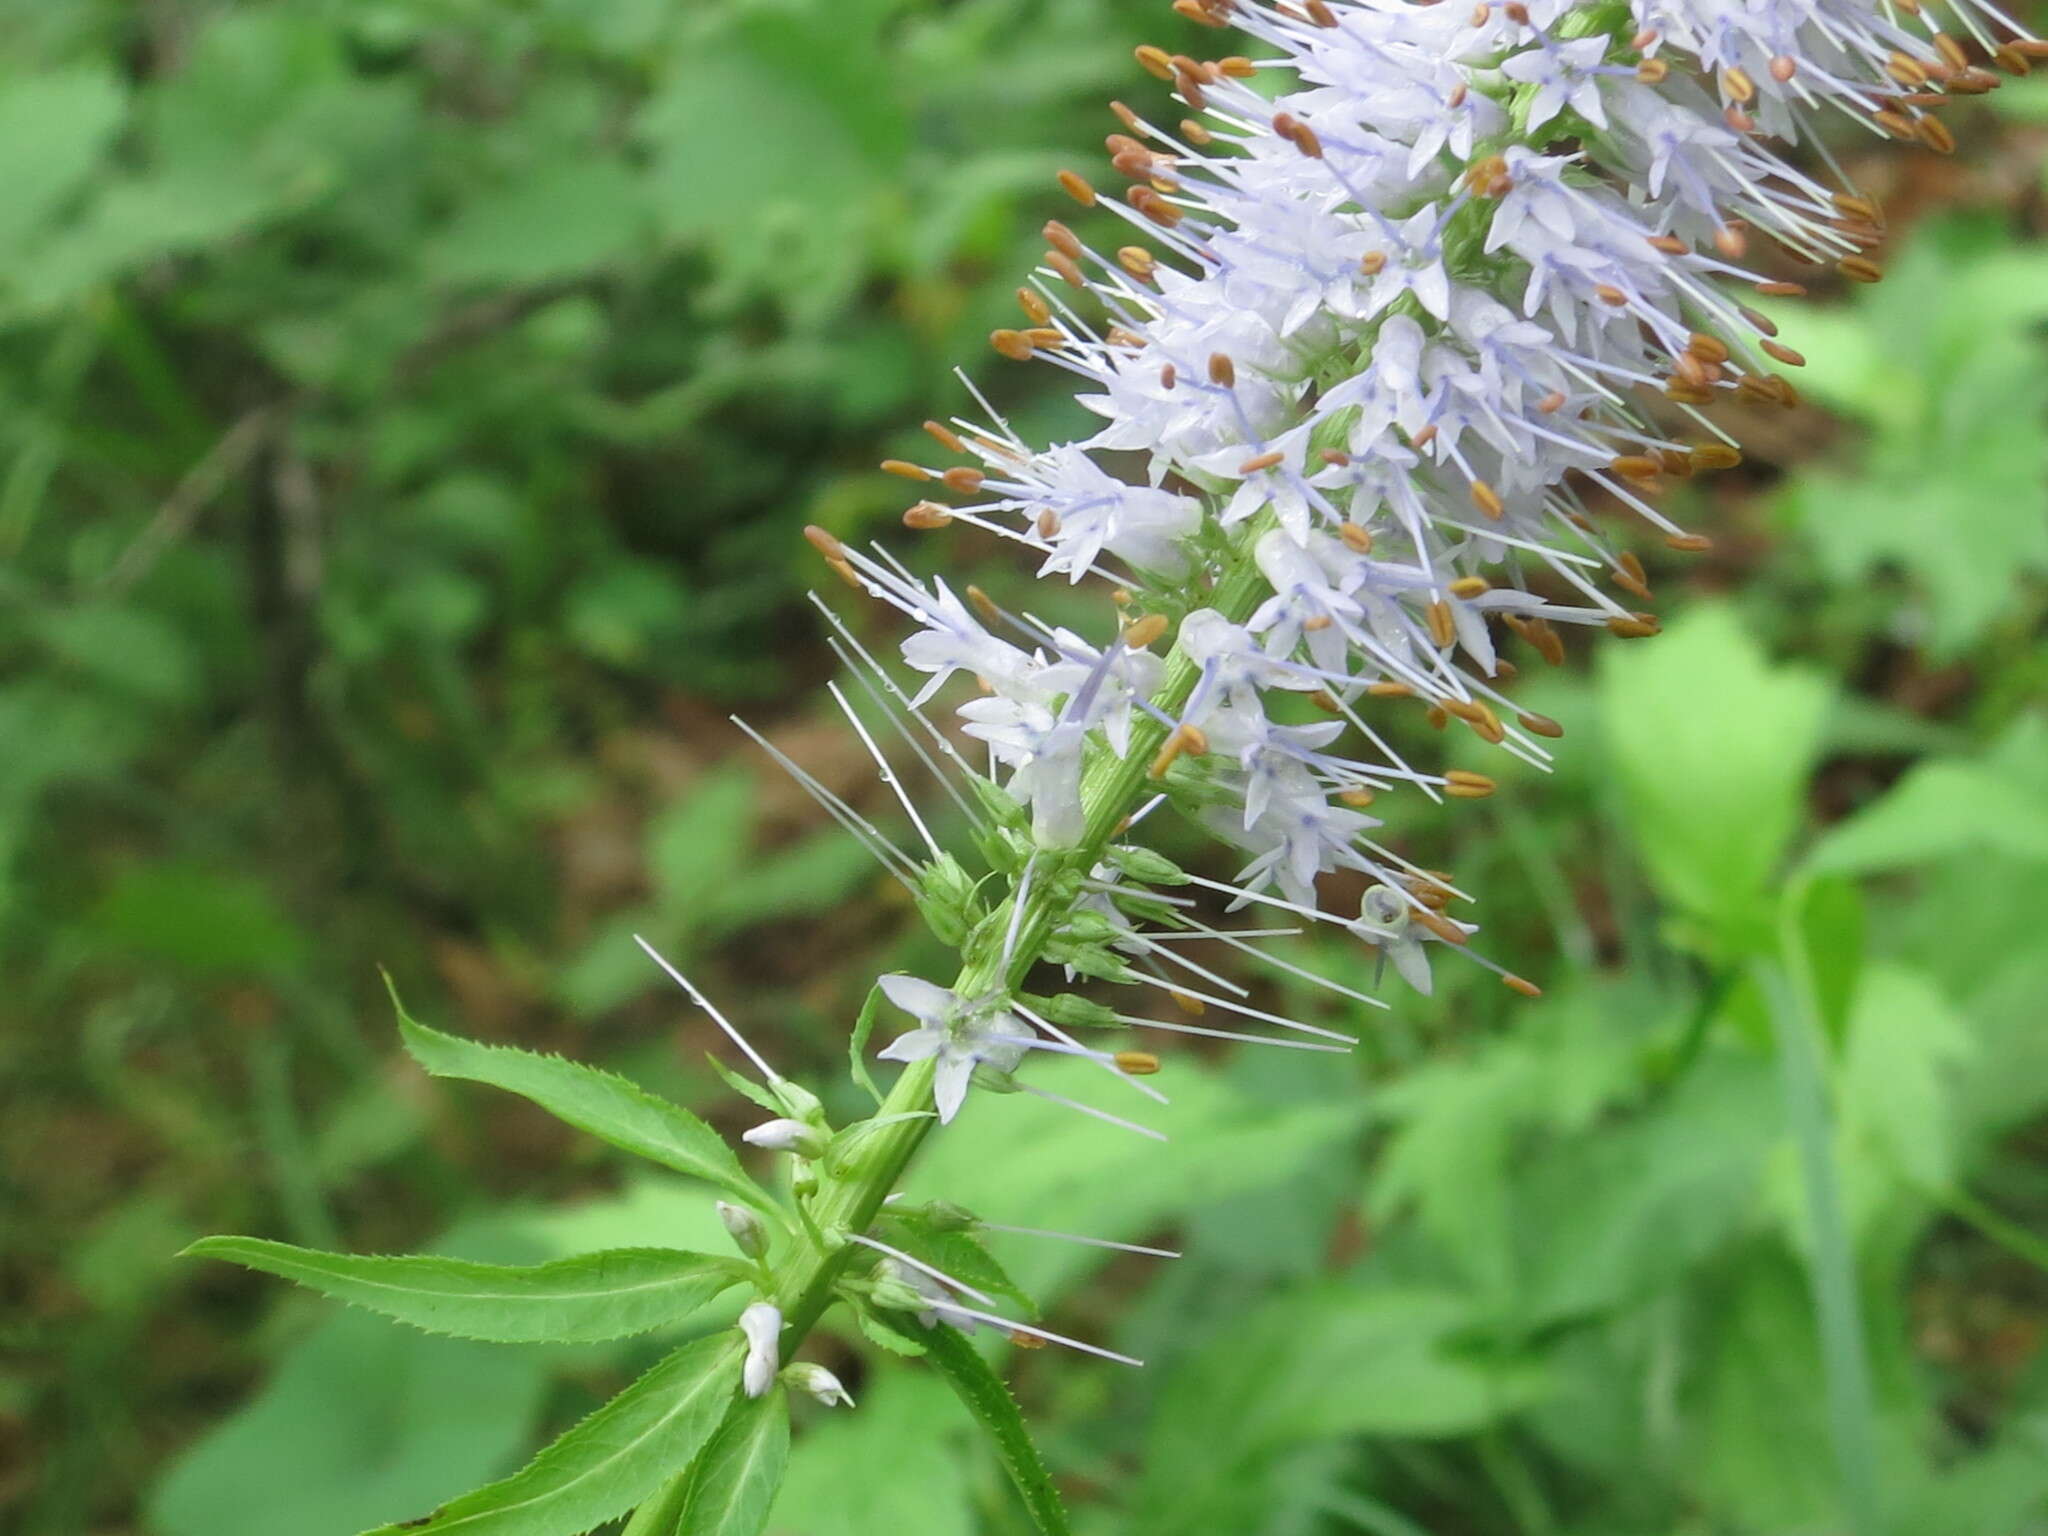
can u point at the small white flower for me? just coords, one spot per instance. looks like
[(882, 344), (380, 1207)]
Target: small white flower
[(958, 1035), (1386, 920), (762, 1324), (1565, 75)]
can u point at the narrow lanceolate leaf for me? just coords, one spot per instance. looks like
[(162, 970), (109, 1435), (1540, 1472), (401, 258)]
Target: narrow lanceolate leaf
[(574, 1301), (996, 1411), (734, 1482), (602, 1103), (611, 1461), (857, 1046)]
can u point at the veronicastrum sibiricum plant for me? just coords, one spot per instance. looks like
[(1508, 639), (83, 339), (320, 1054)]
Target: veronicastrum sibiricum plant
[(1422, 305)]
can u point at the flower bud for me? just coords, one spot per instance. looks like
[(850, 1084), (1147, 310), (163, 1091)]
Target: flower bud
[(1090, 927), (890, 1287), (787, 1136), (1070, 1010), (801, 1103), (746, 1229), (1146, 866), (762, 1324), (803, 1376), (945, 1216)]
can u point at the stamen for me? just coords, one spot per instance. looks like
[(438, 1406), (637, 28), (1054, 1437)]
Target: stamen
[(1086, 1242), (921, 1267), (1027, 1329), (768, 1073), (1090, 1110)]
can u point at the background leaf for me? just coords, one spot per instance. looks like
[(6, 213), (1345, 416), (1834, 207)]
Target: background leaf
[(1705, 691)]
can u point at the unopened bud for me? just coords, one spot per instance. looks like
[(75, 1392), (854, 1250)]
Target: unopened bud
[(1146, 866), (891, 1291), (746, 1229), (1070, 1011), (820, 1383), (945, 1216), (786, 1136), (762, 1324)]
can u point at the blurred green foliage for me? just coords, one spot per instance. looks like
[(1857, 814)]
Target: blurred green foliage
[(406, 409)]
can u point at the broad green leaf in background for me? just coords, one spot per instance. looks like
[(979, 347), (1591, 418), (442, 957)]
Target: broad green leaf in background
[(1336, 1359), (206, 922), (1031, 1163), (704, 858), (131, 651), (905, 1427), (1447, 1159), (824, 114), (1756, 1448), (1941, 808), (610, 1461), (262, 119), (1945, 367), (576, 1300), (361, 1422), (1996, 1492), (1906, 1044), (735, 1478), (1612, 1218), (1711, 745), (605, 1105), (54, 127), (553, 221)]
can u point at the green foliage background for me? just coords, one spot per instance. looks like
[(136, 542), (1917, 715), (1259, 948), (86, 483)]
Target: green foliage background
[(406, 411)]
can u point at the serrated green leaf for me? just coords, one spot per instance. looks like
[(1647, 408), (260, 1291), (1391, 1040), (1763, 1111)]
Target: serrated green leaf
[(1940, 808), (601, 1103), (883, 1329), (576, 1300), (610, 1461), (734, 1482), (996, 1411)]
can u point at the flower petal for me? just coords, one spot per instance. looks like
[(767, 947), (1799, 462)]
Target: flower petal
[(913, 1045), (949, 1085), (922, 1000)]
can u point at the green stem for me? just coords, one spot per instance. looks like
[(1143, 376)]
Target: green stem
[(1852, 1411)]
